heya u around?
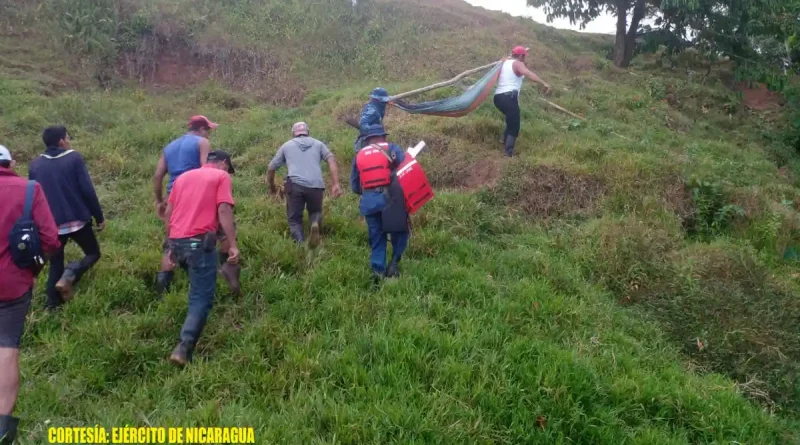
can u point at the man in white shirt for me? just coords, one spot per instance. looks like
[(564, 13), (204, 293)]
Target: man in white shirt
[(506, 96)]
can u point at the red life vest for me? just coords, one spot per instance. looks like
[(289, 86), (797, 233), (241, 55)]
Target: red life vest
[(374, 166), (416, 189)]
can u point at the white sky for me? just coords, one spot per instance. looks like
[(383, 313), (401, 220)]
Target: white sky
[(605, 24)]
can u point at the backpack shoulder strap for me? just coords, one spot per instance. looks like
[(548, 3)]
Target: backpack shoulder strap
[(30, 190), (384, 150)]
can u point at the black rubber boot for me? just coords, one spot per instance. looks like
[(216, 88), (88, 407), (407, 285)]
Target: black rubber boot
[(190, 333), (231, 273), (393, 271), (8, 429), (510, 141), (163, 281)]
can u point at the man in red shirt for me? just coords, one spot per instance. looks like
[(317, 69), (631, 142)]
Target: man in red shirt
[(16, 290), (200, 203)]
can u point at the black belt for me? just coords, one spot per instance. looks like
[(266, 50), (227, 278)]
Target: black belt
[(509, 93), (377, 189)]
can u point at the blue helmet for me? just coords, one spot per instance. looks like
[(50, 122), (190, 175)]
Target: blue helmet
[(380, 94)]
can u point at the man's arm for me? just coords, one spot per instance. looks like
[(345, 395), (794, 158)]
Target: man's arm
[(43, 217), (205, 148), (158, 180), (325, 153), (336, 188), (89, 193), (521, 70), (225, 215), (167, 216), (277, 162)]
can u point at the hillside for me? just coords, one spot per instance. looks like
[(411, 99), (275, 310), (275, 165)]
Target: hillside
[(626, 279)]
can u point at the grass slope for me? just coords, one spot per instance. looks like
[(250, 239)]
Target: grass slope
[(506, 326)]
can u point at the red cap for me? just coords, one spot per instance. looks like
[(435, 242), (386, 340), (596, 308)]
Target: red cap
[(519, 51), (204, 120)]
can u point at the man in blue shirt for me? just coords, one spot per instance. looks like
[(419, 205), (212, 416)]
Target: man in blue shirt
[(186, 153), (372, 114), (382, 206)]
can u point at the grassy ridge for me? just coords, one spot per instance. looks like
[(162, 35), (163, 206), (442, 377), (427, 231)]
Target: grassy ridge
[(506, 326)]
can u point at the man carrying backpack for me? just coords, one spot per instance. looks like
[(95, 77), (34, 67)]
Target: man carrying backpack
[(16, 226), (66, 182)]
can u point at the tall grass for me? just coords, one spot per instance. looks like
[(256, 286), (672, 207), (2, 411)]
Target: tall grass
[(588, 291)]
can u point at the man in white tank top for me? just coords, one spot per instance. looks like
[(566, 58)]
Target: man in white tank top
[(506, 95)]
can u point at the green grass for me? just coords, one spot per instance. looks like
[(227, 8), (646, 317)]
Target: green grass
[(580, 293)]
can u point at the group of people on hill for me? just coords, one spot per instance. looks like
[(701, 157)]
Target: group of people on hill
[(58, 203)]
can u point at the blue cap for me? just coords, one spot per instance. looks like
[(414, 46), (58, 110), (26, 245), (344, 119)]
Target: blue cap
[(375, 130), (380, 94)]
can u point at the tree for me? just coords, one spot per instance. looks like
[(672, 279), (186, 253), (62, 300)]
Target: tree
[(584, 11)]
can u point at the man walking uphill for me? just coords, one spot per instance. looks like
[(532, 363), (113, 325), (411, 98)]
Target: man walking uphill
[(506, 96), (17, 282), (185, 153), (200, 204), (66, 182), (382, 205), (304, 186)]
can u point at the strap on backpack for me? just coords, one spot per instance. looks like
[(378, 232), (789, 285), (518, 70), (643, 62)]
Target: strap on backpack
[(29, 195)]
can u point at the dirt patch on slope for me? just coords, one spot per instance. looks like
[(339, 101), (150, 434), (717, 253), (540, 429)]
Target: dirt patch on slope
[(176, 66), (759, 97), (677, 197), (549, 192), (546, 192)]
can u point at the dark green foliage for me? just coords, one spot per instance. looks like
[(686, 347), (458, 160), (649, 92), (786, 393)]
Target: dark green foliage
[(714, 214)]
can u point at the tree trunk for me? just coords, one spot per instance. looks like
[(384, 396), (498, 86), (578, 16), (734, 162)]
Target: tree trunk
[(630, 39), (622, 28)]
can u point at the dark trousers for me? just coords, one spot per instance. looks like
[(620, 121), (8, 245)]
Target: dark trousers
[(378, 240), (91, 250), (201, 261), (508, 104), (299, 198)]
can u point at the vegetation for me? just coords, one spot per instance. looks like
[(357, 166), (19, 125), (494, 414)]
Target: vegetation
[(627, 279)]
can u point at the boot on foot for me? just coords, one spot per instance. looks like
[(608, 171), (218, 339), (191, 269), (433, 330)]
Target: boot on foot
[(313, 241), (163, 281), (231, 273), (8, 429), (64, 285), (182, 354)]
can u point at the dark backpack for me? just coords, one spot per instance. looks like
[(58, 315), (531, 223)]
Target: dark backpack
[(23, 241)]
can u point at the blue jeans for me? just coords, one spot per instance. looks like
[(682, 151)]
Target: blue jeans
[(378, 243), (201, 262)]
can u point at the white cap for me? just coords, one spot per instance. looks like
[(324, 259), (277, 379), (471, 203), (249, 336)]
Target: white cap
[(5, 155), (300, 128)]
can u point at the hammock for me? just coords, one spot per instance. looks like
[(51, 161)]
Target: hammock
[(457, 106)]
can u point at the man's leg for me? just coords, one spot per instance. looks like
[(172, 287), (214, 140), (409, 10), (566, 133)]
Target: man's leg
[(167, 272), (202, 284), (513, 116), (500, 105), (54, 299), (12, 320), (87, 241), (314, 198), (377, 243), (399, 244), (295, 203)]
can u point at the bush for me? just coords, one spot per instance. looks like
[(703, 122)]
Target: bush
[(714, 213)]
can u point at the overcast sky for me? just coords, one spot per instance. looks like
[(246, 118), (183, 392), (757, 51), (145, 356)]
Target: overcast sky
[(605, 24)]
